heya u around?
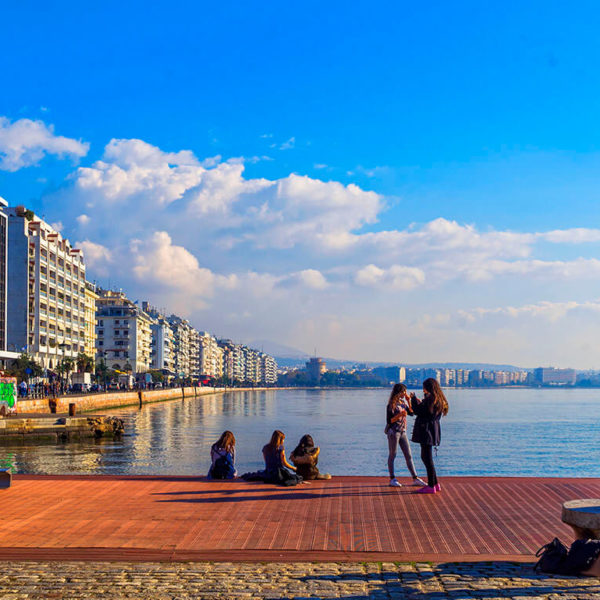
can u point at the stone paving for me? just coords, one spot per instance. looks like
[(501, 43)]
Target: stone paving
[(352, 581)]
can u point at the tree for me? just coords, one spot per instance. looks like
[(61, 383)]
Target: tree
[(84, 363), (157, 376), (65, 367), (22, 364)]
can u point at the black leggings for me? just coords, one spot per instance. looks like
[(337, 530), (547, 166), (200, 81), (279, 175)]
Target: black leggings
[(427, 458)]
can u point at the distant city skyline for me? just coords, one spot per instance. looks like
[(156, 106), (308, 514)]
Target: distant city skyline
[(385, 182)]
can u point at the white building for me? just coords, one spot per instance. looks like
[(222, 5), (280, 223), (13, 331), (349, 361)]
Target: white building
[(211, 356), (162, 345), (45, 308), (123, 333)]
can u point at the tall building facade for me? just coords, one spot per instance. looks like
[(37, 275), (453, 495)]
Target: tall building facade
[(185, 347), (162, 345), (3, 270), (45, 302), (211, 356), (268, 369), (123, 333), (90, 320)]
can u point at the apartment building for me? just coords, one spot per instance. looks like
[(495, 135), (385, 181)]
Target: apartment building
[(268, 369), (162, 345), (6, 357), (45, 300), (123, 333), (90, 320), (185, 346), (233, 361), (210, 355)]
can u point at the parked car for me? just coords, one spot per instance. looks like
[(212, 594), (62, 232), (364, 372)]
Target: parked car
[(80, 388)]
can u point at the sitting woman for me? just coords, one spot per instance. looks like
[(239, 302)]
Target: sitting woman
[(305, 456), (277, 468), (222, 456)]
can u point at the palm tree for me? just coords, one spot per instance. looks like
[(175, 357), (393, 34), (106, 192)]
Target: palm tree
[(84, 363), (67, 364)]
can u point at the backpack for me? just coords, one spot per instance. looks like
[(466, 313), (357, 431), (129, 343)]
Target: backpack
[(552, 558), (223, 468)]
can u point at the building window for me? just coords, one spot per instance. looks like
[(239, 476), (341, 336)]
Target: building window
[(100, 343)]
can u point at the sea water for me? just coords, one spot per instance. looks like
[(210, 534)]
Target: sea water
[(489, 432)]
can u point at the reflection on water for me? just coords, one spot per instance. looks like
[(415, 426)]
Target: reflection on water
[(488, 432)]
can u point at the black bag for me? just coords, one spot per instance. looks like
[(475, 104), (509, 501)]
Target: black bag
[(552, 558), (582, 555)]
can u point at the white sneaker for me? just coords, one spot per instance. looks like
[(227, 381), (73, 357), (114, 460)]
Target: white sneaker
[(418, 482), (395, 483)]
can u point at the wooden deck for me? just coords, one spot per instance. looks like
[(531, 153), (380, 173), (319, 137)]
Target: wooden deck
[(346, 518)]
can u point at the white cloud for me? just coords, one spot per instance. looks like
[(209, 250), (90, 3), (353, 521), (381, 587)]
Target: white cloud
[(551, 311), (397, 277), (311, 278), (58, 225), (98, 258), (288, 144), (25, 142), (578, 235), (83, 219), (157, 261)]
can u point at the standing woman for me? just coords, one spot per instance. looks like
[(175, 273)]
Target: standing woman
[(427, 431), (397, 407)]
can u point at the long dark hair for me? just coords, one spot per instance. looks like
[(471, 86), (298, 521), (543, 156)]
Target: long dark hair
[(226, 441), (399, 388), (305, 446), (276, 439), (439, 404)]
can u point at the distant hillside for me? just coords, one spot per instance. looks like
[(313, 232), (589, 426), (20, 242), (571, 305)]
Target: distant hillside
[(278, 350), (287, 356)]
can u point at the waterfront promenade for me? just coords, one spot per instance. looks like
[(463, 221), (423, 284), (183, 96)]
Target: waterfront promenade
[(166, 538), (346, 518)]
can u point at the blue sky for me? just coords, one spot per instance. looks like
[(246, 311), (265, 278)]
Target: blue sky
[(481, 115)]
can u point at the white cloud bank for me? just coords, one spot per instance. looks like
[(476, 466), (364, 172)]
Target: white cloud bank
[(297, 257), (25, 142)]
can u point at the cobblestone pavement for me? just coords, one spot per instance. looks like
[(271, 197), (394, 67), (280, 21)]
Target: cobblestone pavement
[(354, 581)]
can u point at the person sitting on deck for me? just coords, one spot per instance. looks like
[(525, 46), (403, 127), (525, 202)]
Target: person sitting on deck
[(306, 456), (222, 456), (277, 468)]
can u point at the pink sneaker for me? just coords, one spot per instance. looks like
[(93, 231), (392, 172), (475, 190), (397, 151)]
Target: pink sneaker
[(426, 490), (437, 487)]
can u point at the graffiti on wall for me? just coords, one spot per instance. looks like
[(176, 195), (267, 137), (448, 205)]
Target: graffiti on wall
[(8, 393)]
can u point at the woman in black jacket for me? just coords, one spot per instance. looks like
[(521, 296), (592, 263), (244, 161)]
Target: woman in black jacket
[(427, 430)]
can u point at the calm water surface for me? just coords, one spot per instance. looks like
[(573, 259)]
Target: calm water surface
[(487, 432)]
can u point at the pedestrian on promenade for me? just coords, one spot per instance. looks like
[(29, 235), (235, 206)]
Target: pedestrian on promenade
[(427, 431), (222, 456), (277, 469), (398, 407), (305, 457)]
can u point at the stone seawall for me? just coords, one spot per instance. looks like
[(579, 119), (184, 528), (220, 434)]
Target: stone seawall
[(92, 402)]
